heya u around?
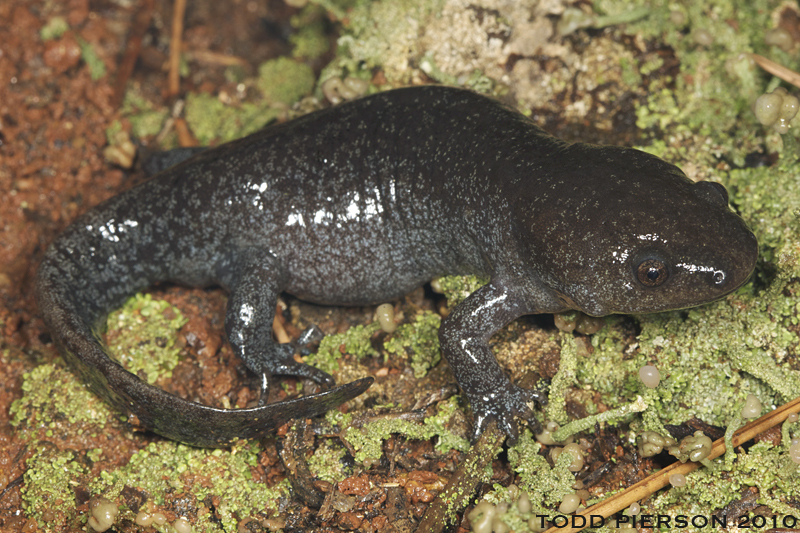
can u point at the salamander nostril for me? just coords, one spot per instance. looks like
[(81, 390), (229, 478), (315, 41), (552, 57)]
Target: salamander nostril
[(718, 277)]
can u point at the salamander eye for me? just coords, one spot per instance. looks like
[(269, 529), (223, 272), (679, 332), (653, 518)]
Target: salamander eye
[(652, 272)]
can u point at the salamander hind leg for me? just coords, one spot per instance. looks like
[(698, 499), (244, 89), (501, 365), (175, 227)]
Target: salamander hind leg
[(255, 278)]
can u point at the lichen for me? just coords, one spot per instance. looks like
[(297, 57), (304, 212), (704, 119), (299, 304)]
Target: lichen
[(326, 463), (167, 467), (48, 489), (457, 288), (309, 39), (142, 336), (367, 440), (55, 401), (284, 81), (55, 28), (419, 340), (355, 341), (146, 118), (213, 121)]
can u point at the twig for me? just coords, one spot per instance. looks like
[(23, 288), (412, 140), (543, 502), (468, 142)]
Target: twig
[(175, 47), (660, 479), (140, 24), (778, 70), (464, 482)]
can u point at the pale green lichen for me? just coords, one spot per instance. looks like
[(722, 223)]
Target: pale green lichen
[(367, 440), (546, 486), (419, 340), (144, 333), (378, 31), (284, 81), (146, 118), (97, 69), (168, 467), (556, 409), (309, 39), (55, 28), (356, 341), (211, 120)]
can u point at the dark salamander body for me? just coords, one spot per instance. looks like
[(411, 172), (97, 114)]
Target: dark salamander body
[(362, 203)]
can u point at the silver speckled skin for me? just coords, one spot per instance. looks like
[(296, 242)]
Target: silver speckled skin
[(362, 203)]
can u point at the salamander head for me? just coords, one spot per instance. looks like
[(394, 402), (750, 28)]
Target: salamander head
[(632, 234)]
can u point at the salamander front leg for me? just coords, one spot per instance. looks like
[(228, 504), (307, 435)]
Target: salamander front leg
[(463, 336), (254, 278)]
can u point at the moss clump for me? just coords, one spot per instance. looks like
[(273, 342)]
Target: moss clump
[(146, 118), (55, 28), (212, 120), (419, 340), (457, 288), (356, 341), (165, 467), (284, 81), (326, 463), (142, 335), (54, 400), (367, 440), (48, 489), (310, 39), (97, 69)]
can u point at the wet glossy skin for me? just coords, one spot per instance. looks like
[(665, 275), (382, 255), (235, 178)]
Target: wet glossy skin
[(366, 201)]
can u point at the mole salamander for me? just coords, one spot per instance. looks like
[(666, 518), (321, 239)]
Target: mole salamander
[(363, 202)]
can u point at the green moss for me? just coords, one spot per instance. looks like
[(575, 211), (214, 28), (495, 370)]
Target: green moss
[(326, 463), (310, 39), (167, 467), (356, 341), (367, 440), (146, 118), (53, 398), (211, 120), (457, 288), (142, 335), (420, 340), (48, 487), (97, 69), (55, 28), (284, 81)]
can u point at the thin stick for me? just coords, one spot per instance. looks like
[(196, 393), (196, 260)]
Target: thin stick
[(140, 24), (175, 47), (660, 479), (778, 70)]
